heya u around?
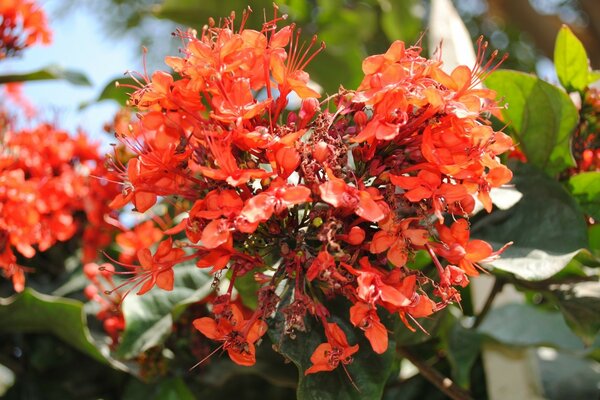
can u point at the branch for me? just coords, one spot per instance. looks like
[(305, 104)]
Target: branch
[(443, 383)]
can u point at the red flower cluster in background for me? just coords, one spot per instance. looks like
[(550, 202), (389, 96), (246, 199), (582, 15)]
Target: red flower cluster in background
[(22, 23), (328, 199), (47, 178)]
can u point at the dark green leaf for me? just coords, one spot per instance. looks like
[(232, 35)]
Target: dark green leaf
[(31, 311), (170, 389), (580, 305), (541, 115), (547, 227), (195, 14), (463, 346), (594, 236), (149, 318), (247, 287), (585, 187), (369, 371), (525, 325), (568, 376), (571, 61), (50, 72)]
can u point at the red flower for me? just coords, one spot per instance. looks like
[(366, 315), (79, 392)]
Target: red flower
[(157, 269), (339, 194), (364, 316), (237, 334), (328, 356)]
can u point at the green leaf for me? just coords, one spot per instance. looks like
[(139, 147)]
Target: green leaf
[(247, 287), (547, 227), (169, 389), (195, 14), (571, 61), (50, 72), (369, 371), (399, 22), (463, 346), (149, 318), (115, 90), (585, 187), (594, 236), (580, 306), (526, 325), (541, 115), (568, 376), (31, 311)]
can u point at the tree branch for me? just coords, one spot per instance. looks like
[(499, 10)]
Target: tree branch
[(443, 383)]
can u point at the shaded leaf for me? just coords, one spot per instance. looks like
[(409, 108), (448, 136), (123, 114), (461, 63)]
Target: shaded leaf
[(369, 371), (567, 376), (463, 346), (50, 72), (580, 306), (31, 311), (149, 318), (585, 187), (571, 61), (169, 389), (526, 325), (247, 287), (547, 227), (541, 116)]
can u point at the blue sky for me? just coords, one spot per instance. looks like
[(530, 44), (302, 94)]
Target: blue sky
[(79, 43)]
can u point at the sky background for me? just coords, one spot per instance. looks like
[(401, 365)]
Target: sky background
[(79, 43)]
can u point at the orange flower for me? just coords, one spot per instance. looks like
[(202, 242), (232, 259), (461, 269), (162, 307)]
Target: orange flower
[(328, 356), (340, 195), (157, 269), (237, 334), (364, 316)]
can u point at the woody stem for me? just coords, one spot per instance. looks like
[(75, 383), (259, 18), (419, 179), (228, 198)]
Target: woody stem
[(443, 383)]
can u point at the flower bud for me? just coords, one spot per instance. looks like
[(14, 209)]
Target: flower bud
[(321, 152)]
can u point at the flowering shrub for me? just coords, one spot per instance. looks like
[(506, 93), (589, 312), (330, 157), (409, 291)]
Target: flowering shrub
[(340, 231), (330, 200), (47, 178)]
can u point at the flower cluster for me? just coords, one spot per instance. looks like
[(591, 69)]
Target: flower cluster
[(22, 24), (317, 201), (47, 179)]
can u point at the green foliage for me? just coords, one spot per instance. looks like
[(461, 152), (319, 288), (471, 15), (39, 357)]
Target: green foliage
[(571, 61), (541, 116), (31, 311), (547, 227), (50, 72), (369, 371), (526, 325), (149, 318), (585, 187)]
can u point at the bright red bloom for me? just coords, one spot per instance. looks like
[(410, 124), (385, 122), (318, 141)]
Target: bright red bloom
[(237, 334), (364, 316), (328, 356), (339, 194), (157, 269), (456, 247)]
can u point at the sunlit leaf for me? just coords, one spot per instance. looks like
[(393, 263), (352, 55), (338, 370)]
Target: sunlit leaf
[(571, 61), (585, 187), (541, 116), (31, 311)]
